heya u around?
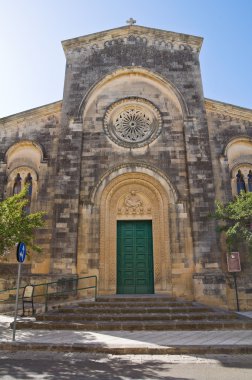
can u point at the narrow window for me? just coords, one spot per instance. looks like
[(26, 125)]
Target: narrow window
[(250, 181), (240, 182), (17, 184), (28, 181)]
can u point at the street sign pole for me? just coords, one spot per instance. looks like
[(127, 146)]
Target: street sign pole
[(21, 253), (16, 306), (234, 266), (236, 292)]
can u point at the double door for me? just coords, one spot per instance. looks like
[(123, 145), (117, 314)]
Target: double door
[(134, 257)]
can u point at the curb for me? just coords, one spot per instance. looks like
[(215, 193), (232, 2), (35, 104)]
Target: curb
[(122, 350)]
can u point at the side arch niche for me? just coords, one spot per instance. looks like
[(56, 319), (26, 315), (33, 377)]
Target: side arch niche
[(134, 196), (23, 161), (239, 155)]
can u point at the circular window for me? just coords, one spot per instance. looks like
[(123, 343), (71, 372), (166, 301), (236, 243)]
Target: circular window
[(132, 122)]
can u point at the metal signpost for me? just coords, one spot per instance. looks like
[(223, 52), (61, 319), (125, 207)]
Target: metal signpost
[(234, 266), (21, 253)]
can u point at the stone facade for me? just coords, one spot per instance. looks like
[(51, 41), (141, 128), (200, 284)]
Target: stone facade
[(133, 139)]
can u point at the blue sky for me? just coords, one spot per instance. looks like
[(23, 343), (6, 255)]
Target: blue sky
[(32, 61)]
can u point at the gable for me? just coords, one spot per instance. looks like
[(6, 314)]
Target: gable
[(134, 34)]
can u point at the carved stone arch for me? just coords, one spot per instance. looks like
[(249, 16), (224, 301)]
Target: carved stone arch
[(150, 201), (167, 86), (23, 169), (136, 167), (24, 157), (235, 140)]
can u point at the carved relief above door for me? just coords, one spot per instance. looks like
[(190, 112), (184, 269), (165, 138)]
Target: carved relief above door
[(134, 204)]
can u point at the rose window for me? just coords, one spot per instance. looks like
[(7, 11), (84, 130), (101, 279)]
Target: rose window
[(133, 125), (132, 122)]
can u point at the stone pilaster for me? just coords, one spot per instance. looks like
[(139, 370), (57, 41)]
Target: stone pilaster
[(66, 210), (208, 279)]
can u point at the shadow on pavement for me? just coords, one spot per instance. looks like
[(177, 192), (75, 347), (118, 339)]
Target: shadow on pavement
[(98, 367)]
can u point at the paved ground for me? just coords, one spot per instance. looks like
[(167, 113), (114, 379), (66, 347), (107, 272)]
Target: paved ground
[(246, 313), (130, 342), (27, 364), (45, 366), (133, 339)]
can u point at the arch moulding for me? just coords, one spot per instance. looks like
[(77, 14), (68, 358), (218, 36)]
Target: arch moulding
[(25, 144), (138, 72)]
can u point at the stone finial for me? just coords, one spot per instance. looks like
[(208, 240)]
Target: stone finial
[(131, 21)]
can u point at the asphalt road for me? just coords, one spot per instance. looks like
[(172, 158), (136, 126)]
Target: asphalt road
[(57, 366)]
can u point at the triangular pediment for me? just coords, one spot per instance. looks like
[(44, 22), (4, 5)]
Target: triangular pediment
[(134, 34)]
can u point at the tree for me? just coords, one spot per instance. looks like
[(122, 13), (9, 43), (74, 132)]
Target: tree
[(16, 225), (236, 217)]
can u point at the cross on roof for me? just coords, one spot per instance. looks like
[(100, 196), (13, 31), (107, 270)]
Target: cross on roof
[(131, 21)]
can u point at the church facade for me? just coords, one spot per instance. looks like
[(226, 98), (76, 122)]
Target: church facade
[(128, 167)]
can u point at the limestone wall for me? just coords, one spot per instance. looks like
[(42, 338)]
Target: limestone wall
[(29, 144), (230, 135)]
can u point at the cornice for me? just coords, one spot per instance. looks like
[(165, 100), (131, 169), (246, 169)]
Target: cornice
[(150, 36), (44, 110), (228, 110)]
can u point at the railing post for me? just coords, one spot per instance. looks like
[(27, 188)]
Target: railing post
[(95, 287), (46, 298), (77, 285)]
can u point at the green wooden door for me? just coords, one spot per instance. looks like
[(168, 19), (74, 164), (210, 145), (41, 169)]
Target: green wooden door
[(134, 257)]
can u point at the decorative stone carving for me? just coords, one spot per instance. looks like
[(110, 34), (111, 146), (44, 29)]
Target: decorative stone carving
[(133, 204), (133, 200), (132, 122), (130, 40)]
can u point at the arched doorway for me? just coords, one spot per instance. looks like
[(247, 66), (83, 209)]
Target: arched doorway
[(134, 236)]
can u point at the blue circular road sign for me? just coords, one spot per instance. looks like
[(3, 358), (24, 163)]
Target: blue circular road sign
[(21, 252)]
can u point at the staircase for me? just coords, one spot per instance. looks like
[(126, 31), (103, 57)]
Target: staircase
[(137, 312)]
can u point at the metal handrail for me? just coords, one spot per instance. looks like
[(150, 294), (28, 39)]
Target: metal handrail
[(47, 285)]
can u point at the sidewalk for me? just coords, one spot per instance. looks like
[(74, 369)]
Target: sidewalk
[(126, 342)]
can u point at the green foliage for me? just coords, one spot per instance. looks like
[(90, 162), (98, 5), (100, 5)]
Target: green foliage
[(16, 225), (236, 217)]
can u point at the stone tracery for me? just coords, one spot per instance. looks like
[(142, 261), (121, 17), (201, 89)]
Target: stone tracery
[(133, 125), (132, 122)]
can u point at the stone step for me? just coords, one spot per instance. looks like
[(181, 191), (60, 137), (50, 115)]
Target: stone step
[(135, 317), (137, 298), (137, 325), (106, 309), (137, 313), (112, 349), (100, 304)]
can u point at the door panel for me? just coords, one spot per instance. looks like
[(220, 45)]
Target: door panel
[(134, 257)]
